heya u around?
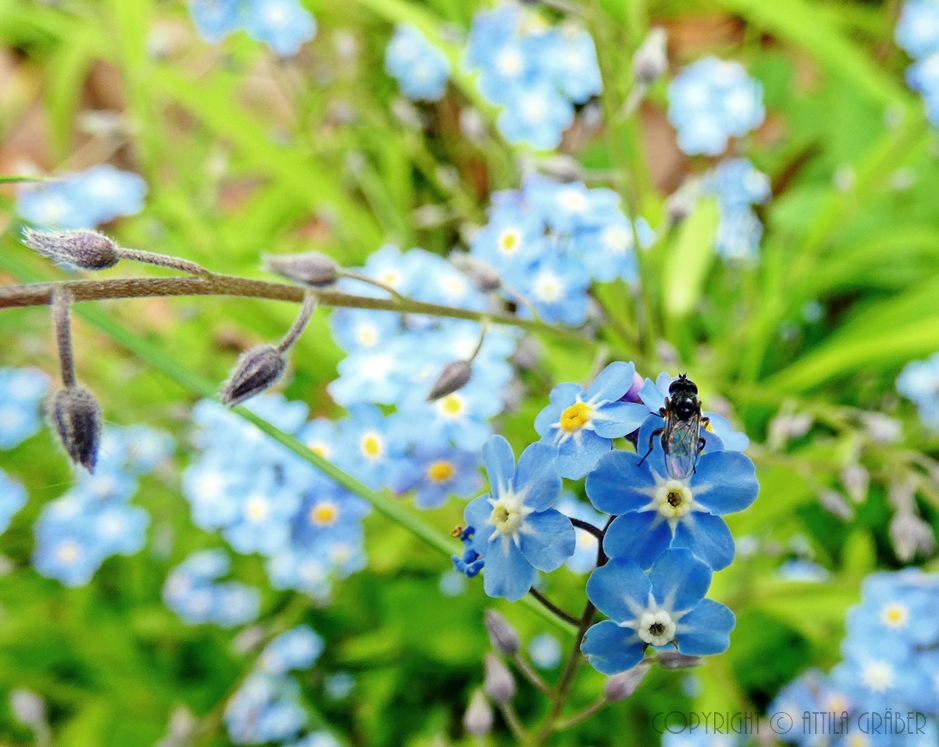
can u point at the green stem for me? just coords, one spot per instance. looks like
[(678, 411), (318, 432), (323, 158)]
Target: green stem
[(578, 718)]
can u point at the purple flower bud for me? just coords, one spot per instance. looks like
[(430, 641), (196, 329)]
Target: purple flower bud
[(632, 394), (478, 717), (502, 636), (856, 480), (499, 683), (27, 707), (76, 416), (651, 59), (81, 248), (453, 377), (675, 660), (310, 268), (256, 370), (622, 686), (881, 428), (834, 503)]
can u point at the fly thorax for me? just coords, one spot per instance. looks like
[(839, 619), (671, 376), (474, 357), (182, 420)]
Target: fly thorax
[(656, 628), (673, 499)]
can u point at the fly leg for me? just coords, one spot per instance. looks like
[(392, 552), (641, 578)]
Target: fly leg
[(652, 436)]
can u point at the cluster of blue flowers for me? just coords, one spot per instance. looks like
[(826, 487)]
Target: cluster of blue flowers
[(663, 531), (82, 200), (21, 393), (267, 500), (549, 240), (193, 591), (266, 708), (284, 25), (917, 32), (537, 73), (738, 185), (712, 101), (77, 532), (919, 382), (421, 69), (886, 690)]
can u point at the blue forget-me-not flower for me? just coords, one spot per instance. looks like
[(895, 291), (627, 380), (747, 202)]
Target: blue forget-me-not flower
[(421, 69)]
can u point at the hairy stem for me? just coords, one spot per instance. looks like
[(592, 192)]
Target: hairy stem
[(553, 607), (528, 672), (61, 317), (352, 275), (39, 294), (513, 722), (163, 260), (293, 334)]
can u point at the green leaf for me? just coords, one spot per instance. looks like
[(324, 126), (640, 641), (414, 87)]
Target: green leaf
[(688, 262)]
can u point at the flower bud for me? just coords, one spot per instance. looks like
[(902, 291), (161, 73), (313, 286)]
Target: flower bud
[(27, 707), (309, 268), (256, 370), (622, 686), (502, 636), (856, 480), (499, 683), (882, 429), (651, 59), (81, 248), (834, 503), (561, 168), (453, 378), (478, 717), (910, 535), (484, 276), (76, 416), (675, 660)]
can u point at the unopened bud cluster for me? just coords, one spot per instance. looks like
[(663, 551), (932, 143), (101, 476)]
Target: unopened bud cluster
[(256, 370), (77, 418), (83, 248)]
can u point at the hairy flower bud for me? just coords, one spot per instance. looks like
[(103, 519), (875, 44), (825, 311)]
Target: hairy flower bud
[(478, 717), (622, 686), (910, 535), (81, 248), (856, 480), (651, 59), (310, 268), (453, 378), (502, 636), (499, 683), (834, 503), (76, 416), (484, 276), (256, 370), (675, 660)]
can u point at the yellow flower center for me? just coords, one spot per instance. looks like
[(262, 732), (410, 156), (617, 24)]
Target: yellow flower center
[(324, 514), (256, 509), (441, 471), (673, 499), (576, 417), (509, 241), (319, 448), (451, 405), (372, 446), (894, 615)]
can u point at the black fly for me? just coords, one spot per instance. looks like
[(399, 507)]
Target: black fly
[(681, 435)]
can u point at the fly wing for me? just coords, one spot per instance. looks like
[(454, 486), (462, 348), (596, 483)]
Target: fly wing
[(680, 442)]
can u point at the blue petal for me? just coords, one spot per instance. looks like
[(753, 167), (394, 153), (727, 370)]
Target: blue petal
[(705, 630), (733, 440), (619, 419), (652, 397), (618, 588), (500, 463), (507, 573), (641, 537), (547, 539), (679, 580), (725, 482), (708, 537), (613, 486), (612, 383), (573, 461), (611, 649), (538, 476), (476, 515)]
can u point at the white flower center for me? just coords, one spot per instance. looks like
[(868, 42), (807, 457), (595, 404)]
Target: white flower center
[(510, 63), (573, 201), (878, 676), (673, 499), (366, 335), (616, 239), (68, 552), (894, 615), (257, 509), (548, 287), (656, 628), (507, 514)]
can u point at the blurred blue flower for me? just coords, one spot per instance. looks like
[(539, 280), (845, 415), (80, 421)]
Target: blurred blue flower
[(557, 287), (193, 592), (436, 472), (452, 583), (656, 512), (572, 59), (917, 29), (339, 685), (216, 19), (545, 651), (284, 25), (581, 424), (712, 101), (919, 382), (21, 394), (737, 185), (666, 607), (84, 199), (517, 531), (266, 708), (12, 499), (536, 115), (294, 649), (570, 206), (608, 249), (422, 70)]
